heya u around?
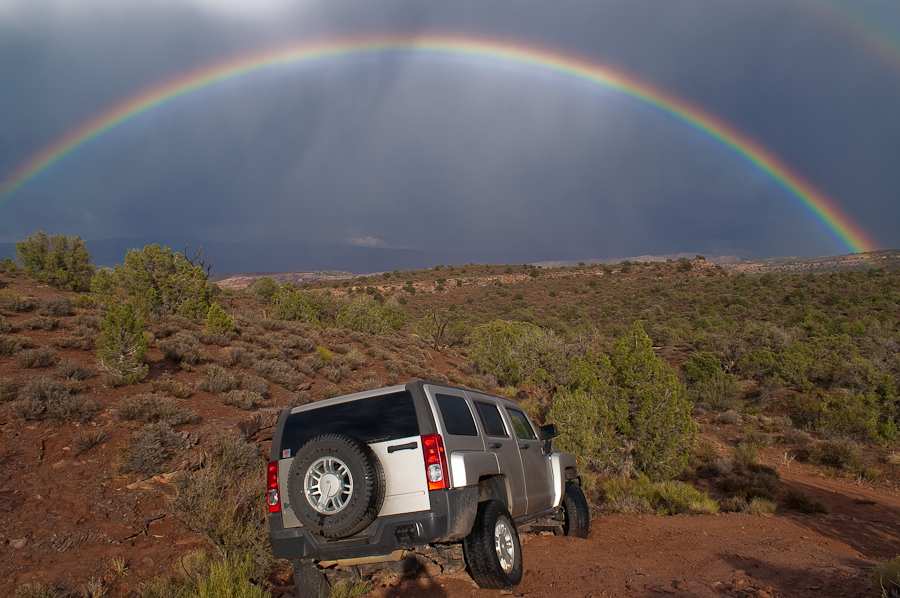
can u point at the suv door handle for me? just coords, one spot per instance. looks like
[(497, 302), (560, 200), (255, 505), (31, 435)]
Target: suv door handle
[(524, 446), (494, 445), (403, 447)]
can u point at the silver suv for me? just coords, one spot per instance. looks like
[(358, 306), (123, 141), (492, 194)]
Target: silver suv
[(415, 473)]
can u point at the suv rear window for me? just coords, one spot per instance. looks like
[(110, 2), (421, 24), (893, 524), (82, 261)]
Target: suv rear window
[(375, 419)]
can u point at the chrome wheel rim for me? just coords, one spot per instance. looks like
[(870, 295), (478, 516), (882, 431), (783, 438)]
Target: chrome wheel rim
[(328, 485), (504, 545)]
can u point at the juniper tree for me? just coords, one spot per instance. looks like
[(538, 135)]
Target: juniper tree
[(122, 346), (60, 261)]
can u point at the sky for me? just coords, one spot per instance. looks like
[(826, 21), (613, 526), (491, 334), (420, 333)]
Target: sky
[(509, 131)]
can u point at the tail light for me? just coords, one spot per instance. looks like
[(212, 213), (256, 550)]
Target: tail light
[(435, 462), (272, 487)]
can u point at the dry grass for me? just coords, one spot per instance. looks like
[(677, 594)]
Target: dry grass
[(39, 357), (169, 385), (147, 450), (242, 399)]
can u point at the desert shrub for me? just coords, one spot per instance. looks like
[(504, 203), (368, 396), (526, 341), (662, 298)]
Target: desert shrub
[(12, 301), (331, 391), (40, 323), (10, 344), (355, 358), (57, 306), (729, 418), (36, 590), (255, 384), (224, 502), (218, 380), (147, 450), (856, 415), (169, 385), (278, 372), (841, 454), (83, 301), (8, 390), (71, 408), (81, 339), (238, 355), (750, 480), (60, 261), (517, 352), (5, 325), (242, 399), (720, 391), (39, 357), (87, 438), (217, 321), (885, 579), (701, 366), (90, 320), (626, 414), (733, 504), (219, 339), (147, 408), (183, 347), (72, 370), (756, 438), (760, 506), (122, 347), (664, 498), (157, 282), (803, 502), (370, 381), (262, 289), (48, 397)]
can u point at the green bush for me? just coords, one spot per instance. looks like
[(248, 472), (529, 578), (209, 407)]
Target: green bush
[(517, 353), (157, 282), (263, 289), (169, 385), (40, 323), (664, 498), (11, 301), (304, 306), (122, 347), (365, 314), (60, 261), (217, 321), (841, 454), (626, 414), (11, 344)]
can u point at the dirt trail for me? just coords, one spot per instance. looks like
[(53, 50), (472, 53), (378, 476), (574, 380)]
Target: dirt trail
[(759, 556)]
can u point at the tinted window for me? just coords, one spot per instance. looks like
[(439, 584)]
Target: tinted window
[(385, 417), (521, 425), (457, 417), (491, 419)]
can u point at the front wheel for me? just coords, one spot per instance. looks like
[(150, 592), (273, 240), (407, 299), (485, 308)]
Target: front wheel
[(492, 550), (576, 515)]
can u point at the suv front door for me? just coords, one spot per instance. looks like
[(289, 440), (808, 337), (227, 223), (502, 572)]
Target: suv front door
[(536, 465)]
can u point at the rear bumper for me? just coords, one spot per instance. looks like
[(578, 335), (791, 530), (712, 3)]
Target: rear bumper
[(449, 519)]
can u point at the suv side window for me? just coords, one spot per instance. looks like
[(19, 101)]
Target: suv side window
[(521, 425), (491, 419), (458, 419)]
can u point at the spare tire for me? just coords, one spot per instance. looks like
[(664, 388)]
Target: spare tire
[(336, 485)]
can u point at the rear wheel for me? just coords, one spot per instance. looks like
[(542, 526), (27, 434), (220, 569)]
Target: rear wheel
[(310, 581), (576, 514), (492, 550)]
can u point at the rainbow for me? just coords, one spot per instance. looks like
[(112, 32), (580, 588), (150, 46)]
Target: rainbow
[(490, 50)]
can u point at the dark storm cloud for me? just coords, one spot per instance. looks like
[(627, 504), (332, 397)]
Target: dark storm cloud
[(452, 156)]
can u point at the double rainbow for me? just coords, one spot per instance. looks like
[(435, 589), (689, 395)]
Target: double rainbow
[(492, 50)]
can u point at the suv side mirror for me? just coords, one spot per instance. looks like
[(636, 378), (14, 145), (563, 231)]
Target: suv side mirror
[(548, 432)]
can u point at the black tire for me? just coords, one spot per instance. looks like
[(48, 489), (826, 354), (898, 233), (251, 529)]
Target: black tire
[(576, 515), (310, 581), (492, 550), (336, 485)]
